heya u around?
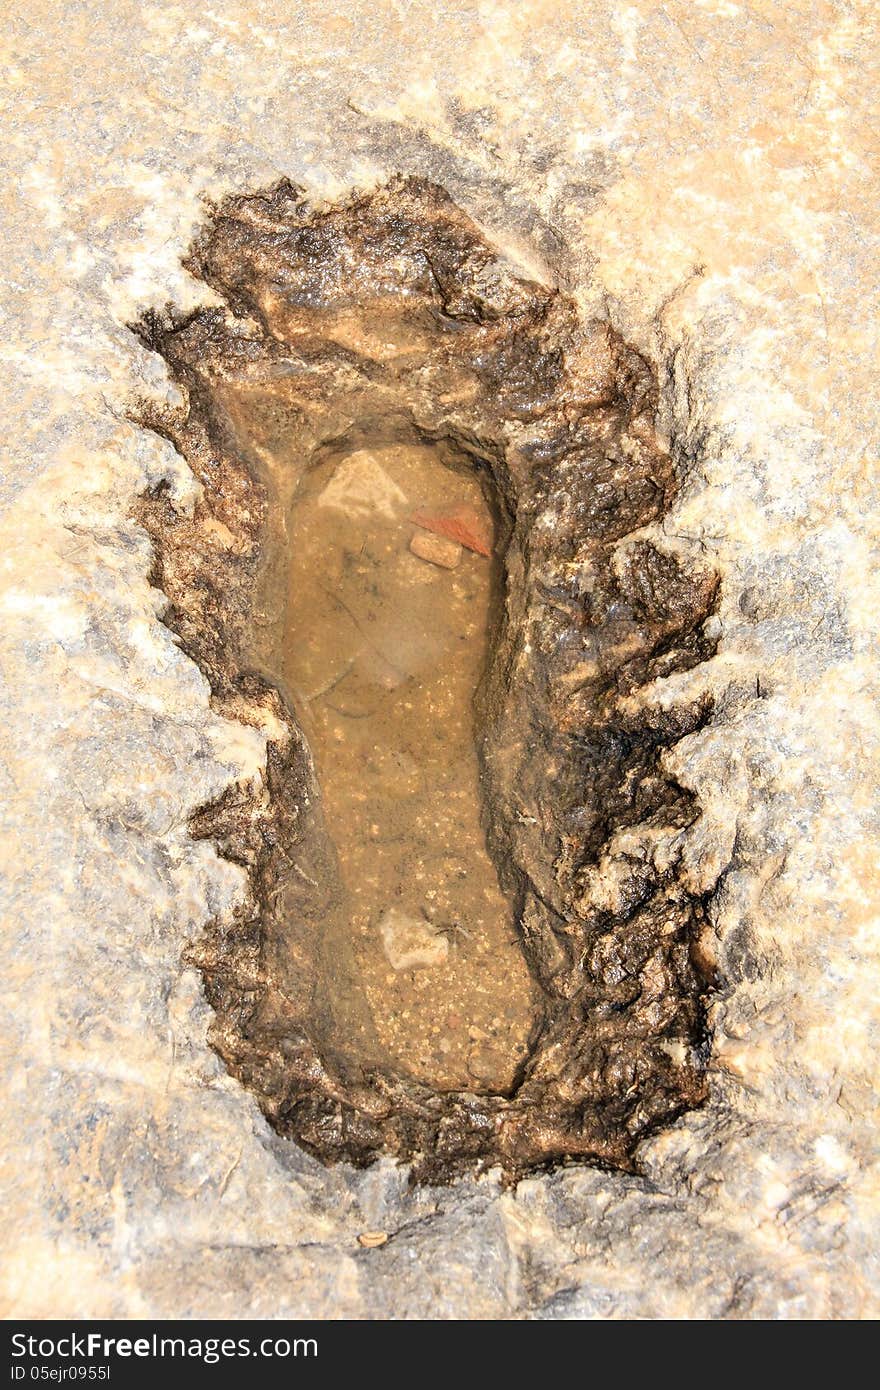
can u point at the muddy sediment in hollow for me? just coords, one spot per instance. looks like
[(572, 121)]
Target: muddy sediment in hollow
[(420, 966), (390, 322)]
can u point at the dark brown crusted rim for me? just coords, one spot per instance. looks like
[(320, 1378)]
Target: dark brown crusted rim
[(585, 825)]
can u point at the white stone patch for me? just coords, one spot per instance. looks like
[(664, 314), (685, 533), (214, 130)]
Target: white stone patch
[(409, 943), (61, 618), (360, 486)]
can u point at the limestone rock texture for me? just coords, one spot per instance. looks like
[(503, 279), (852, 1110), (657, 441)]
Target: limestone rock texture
[(703, 177)]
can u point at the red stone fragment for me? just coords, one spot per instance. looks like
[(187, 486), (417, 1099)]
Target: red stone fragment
[(459, 522)]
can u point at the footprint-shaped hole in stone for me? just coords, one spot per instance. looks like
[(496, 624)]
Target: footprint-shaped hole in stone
[(422, 562)]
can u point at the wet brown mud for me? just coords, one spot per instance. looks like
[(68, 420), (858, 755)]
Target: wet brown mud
[(381, 656), (470, 941)]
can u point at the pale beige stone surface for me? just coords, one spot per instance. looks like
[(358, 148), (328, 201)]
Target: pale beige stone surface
[(704, 175), (438, 550)]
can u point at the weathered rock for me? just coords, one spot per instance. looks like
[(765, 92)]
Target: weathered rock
[(701, 178)]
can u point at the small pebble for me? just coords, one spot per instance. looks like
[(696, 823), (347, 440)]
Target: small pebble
[(483, 1063), (409, 943), (438, 550)]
